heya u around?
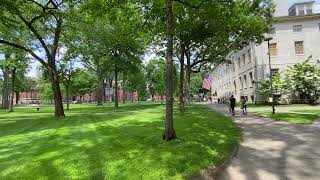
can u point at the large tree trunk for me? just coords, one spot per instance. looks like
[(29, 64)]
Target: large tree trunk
[(132, 97), (188, 80), (17, 97), (123, 91), (13, 82), (99, 92), (181, 87), (104, 90), (67, 93), (169, 132), (57, 96), (116, 97), (123, 96), (5, 92)]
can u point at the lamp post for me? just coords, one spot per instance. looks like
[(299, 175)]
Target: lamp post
[(268, 39)]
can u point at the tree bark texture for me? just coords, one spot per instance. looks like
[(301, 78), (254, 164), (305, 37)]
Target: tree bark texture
[(123, 91), (67, 93), (123, 96), (57, 95), (13, 83), (99, 94), (188, 80), (116, 97), (169, 132), (17, 97), (99, 91), (132, 97), (5, 92), (181, 86)]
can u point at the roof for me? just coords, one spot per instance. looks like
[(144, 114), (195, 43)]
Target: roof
[(300, 3), (289, 18)]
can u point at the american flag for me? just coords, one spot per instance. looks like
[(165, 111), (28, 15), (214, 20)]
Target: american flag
[(207, 82)]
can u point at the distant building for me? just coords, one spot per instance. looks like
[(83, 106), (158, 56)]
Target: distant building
[(296, 36)]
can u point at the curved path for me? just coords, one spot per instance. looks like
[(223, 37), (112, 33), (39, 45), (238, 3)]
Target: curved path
[(274, 150)]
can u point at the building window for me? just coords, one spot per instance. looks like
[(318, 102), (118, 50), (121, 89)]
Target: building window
[(299, 47), (273, 49), (241, 85), (239, 65), (245, 81), (301, 10), (274, 72), (309, 9), (297, 28), (244, 59), (249, 56), (250, 80)]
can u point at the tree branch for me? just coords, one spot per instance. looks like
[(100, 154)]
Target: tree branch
[(188, 4), (35, 32), (56, 37), (25, 49), (40, 5)]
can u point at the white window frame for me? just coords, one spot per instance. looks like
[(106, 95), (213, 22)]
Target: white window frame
[(251, 79), (296, 47), (297, 28), (245, 82), (273, 51)]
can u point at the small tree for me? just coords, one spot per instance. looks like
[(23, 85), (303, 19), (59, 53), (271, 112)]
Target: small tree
[(303, 80), (279, 87)]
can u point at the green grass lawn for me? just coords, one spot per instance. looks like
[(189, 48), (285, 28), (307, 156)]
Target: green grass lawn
[(108, 143), (296, 117)]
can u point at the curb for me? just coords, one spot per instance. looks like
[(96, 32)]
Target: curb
[(213, 172)]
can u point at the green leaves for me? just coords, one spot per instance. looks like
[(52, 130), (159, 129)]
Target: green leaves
[(303, 80), (156, 76), (279, 86)]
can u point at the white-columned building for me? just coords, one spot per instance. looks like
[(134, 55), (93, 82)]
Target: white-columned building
[(296, 36)]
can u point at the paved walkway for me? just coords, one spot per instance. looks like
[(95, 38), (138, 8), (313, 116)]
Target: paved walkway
[(274, 150)]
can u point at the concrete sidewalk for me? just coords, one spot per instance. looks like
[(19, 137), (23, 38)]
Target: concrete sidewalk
[(274, 150)]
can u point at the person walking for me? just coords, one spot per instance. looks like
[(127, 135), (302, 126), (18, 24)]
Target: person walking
[(243, 103), (232, 105)]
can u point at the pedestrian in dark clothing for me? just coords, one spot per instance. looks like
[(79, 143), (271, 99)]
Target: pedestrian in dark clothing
[(244, 105), (232, 104)]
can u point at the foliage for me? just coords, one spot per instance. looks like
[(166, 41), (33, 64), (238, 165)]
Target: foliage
[(84, 82), (156, 77), (45, 91), (196, 83), (137, 82), (303, 80), (279, 86), (210, 30), (107, 143)]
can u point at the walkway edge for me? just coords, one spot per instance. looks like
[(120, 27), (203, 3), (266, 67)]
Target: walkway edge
[(212, 172)]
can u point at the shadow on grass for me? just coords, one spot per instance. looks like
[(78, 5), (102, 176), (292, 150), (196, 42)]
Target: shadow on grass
[(125, 144)]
